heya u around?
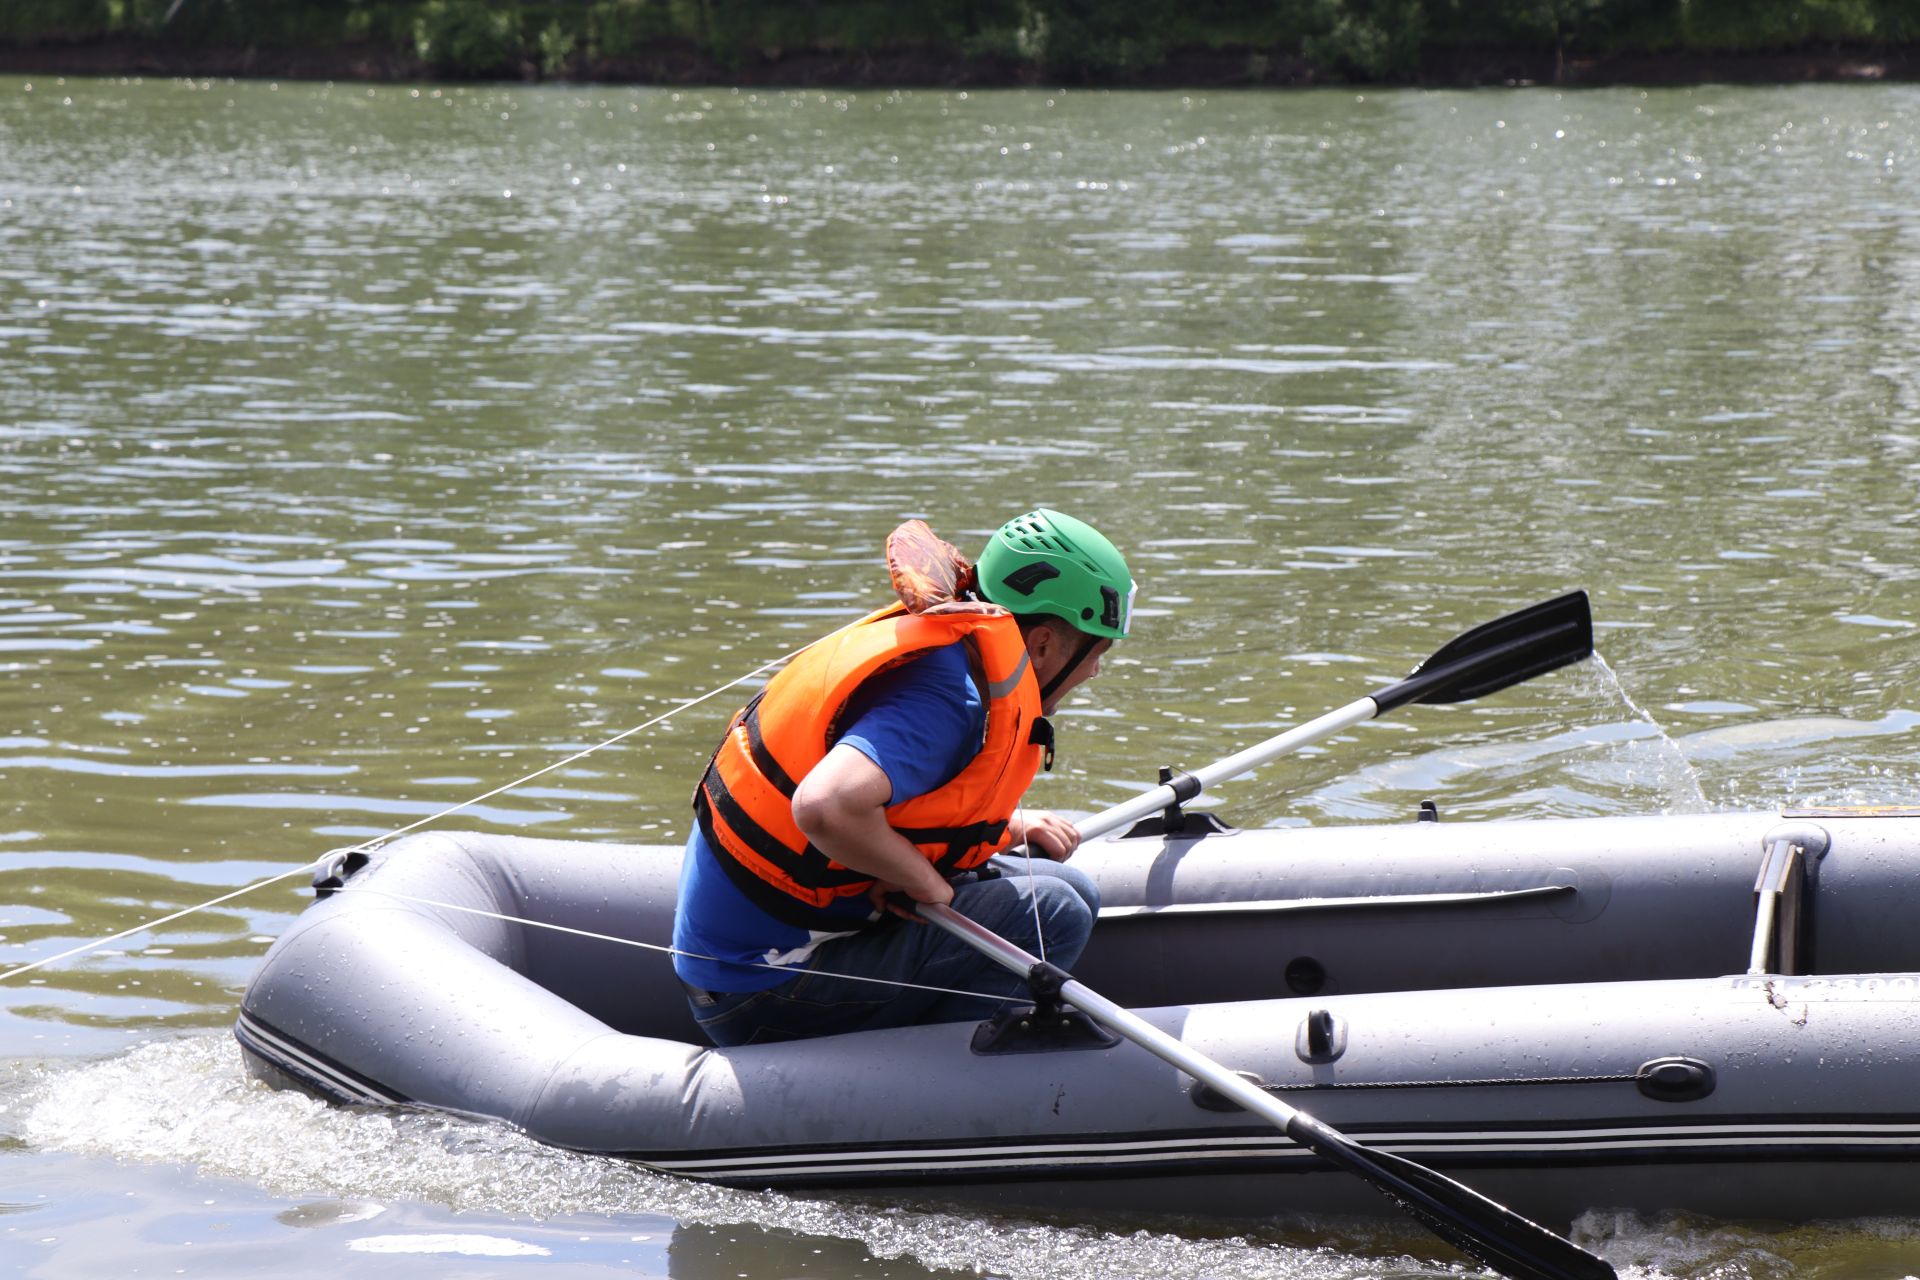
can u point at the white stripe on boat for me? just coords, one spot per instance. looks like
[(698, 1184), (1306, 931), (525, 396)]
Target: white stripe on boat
[(1677, 1139), (297, 1056)]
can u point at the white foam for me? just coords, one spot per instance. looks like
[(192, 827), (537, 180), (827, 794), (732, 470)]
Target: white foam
[(188, 1101), (472, 1246)]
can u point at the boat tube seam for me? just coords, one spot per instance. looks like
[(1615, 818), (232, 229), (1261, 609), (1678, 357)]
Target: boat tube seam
[(1491, 1082), (1465, 897)]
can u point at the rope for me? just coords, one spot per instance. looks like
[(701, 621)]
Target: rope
[(370, 844), (152, 924), (373, 842), (363, 846), (1033, 896), (671, 951)]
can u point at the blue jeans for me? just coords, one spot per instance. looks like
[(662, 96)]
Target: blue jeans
[(820, 1002)]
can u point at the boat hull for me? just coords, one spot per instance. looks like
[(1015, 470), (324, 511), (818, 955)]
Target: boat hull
[(1551, 1012)]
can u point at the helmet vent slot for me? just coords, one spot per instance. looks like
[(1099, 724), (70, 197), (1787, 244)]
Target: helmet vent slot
[(1029, 576)]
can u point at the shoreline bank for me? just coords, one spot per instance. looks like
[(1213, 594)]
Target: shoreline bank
[(681, 64)]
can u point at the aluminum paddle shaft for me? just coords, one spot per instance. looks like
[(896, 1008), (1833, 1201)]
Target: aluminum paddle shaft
[(1491, 657), (1121, 1021), (1502, 1239), (1187, 786), (1486, 659)]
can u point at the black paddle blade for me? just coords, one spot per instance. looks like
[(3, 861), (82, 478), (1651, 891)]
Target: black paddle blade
[(1514, 1246), (1499, 654)]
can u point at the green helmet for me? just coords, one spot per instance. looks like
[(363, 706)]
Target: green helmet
[(1044, 562)]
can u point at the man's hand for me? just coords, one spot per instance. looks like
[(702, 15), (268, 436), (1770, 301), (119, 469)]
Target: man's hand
[(1047, 834), (883, 892)]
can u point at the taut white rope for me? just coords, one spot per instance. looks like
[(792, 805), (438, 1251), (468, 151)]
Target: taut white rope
[(152, 924), (670, 951), (368, 845), (1033, 897)]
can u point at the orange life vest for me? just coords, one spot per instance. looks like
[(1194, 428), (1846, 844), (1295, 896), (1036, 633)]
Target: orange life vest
[(745, 801)]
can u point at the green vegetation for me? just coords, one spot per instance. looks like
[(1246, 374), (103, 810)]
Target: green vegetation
[(1114, 40)]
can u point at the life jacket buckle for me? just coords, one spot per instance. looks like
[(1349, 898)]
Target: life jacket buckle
[(1042, 734)]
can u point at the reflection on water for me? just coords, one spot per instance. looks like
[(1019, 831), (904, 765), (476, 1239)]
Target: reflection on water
[(362, 448)]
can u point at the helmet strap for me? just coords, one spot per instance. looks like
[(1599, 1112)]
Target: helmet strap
[(1087, 643)]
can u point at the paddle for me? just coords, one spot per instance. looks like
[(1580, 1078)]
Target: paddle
[(1496, 1235), (1482, 661), (1487, 659)]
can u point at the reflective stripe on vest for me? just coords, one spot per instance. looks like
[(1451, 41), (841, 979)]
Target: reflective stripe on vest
[(744, 803)]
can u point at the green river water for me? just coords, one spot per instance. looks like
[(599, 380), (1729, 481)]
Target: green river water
[(362, 449)]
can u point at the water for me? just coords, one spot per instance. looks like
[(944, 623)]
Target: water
[(365, 448), (1672, 769)]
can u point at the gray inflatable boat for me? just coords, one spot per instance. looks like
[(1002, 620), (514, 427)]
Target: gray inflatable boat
[(1713, 1013)]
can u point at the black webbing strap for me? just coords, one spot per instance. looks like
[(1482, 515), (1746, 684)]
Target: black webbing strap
[(763, 760), (1087, 643), (957, 839), (814, 867)]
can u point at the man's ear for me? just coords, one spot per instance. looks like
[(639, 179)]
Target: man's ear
[(1041, 640)]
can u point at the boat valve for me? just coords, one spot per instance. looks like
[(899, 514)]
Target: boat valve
[(1322, 1037)]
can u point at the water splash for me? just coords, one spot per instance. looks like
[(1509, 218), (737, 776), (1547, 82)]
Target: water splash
[(188, 1101), (1672, 770)]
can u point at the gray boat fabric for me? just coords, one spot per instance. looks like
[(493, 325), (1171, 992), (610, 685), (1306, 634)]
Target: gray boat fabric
[(1555, 1012)]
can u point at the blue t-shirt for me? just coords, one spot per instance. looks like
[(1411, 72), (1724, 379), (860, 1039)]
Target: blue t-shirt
[(921, 723)]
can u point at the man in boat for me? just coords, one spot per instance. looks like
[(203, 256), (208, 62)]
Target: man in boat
[(891, 758)]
